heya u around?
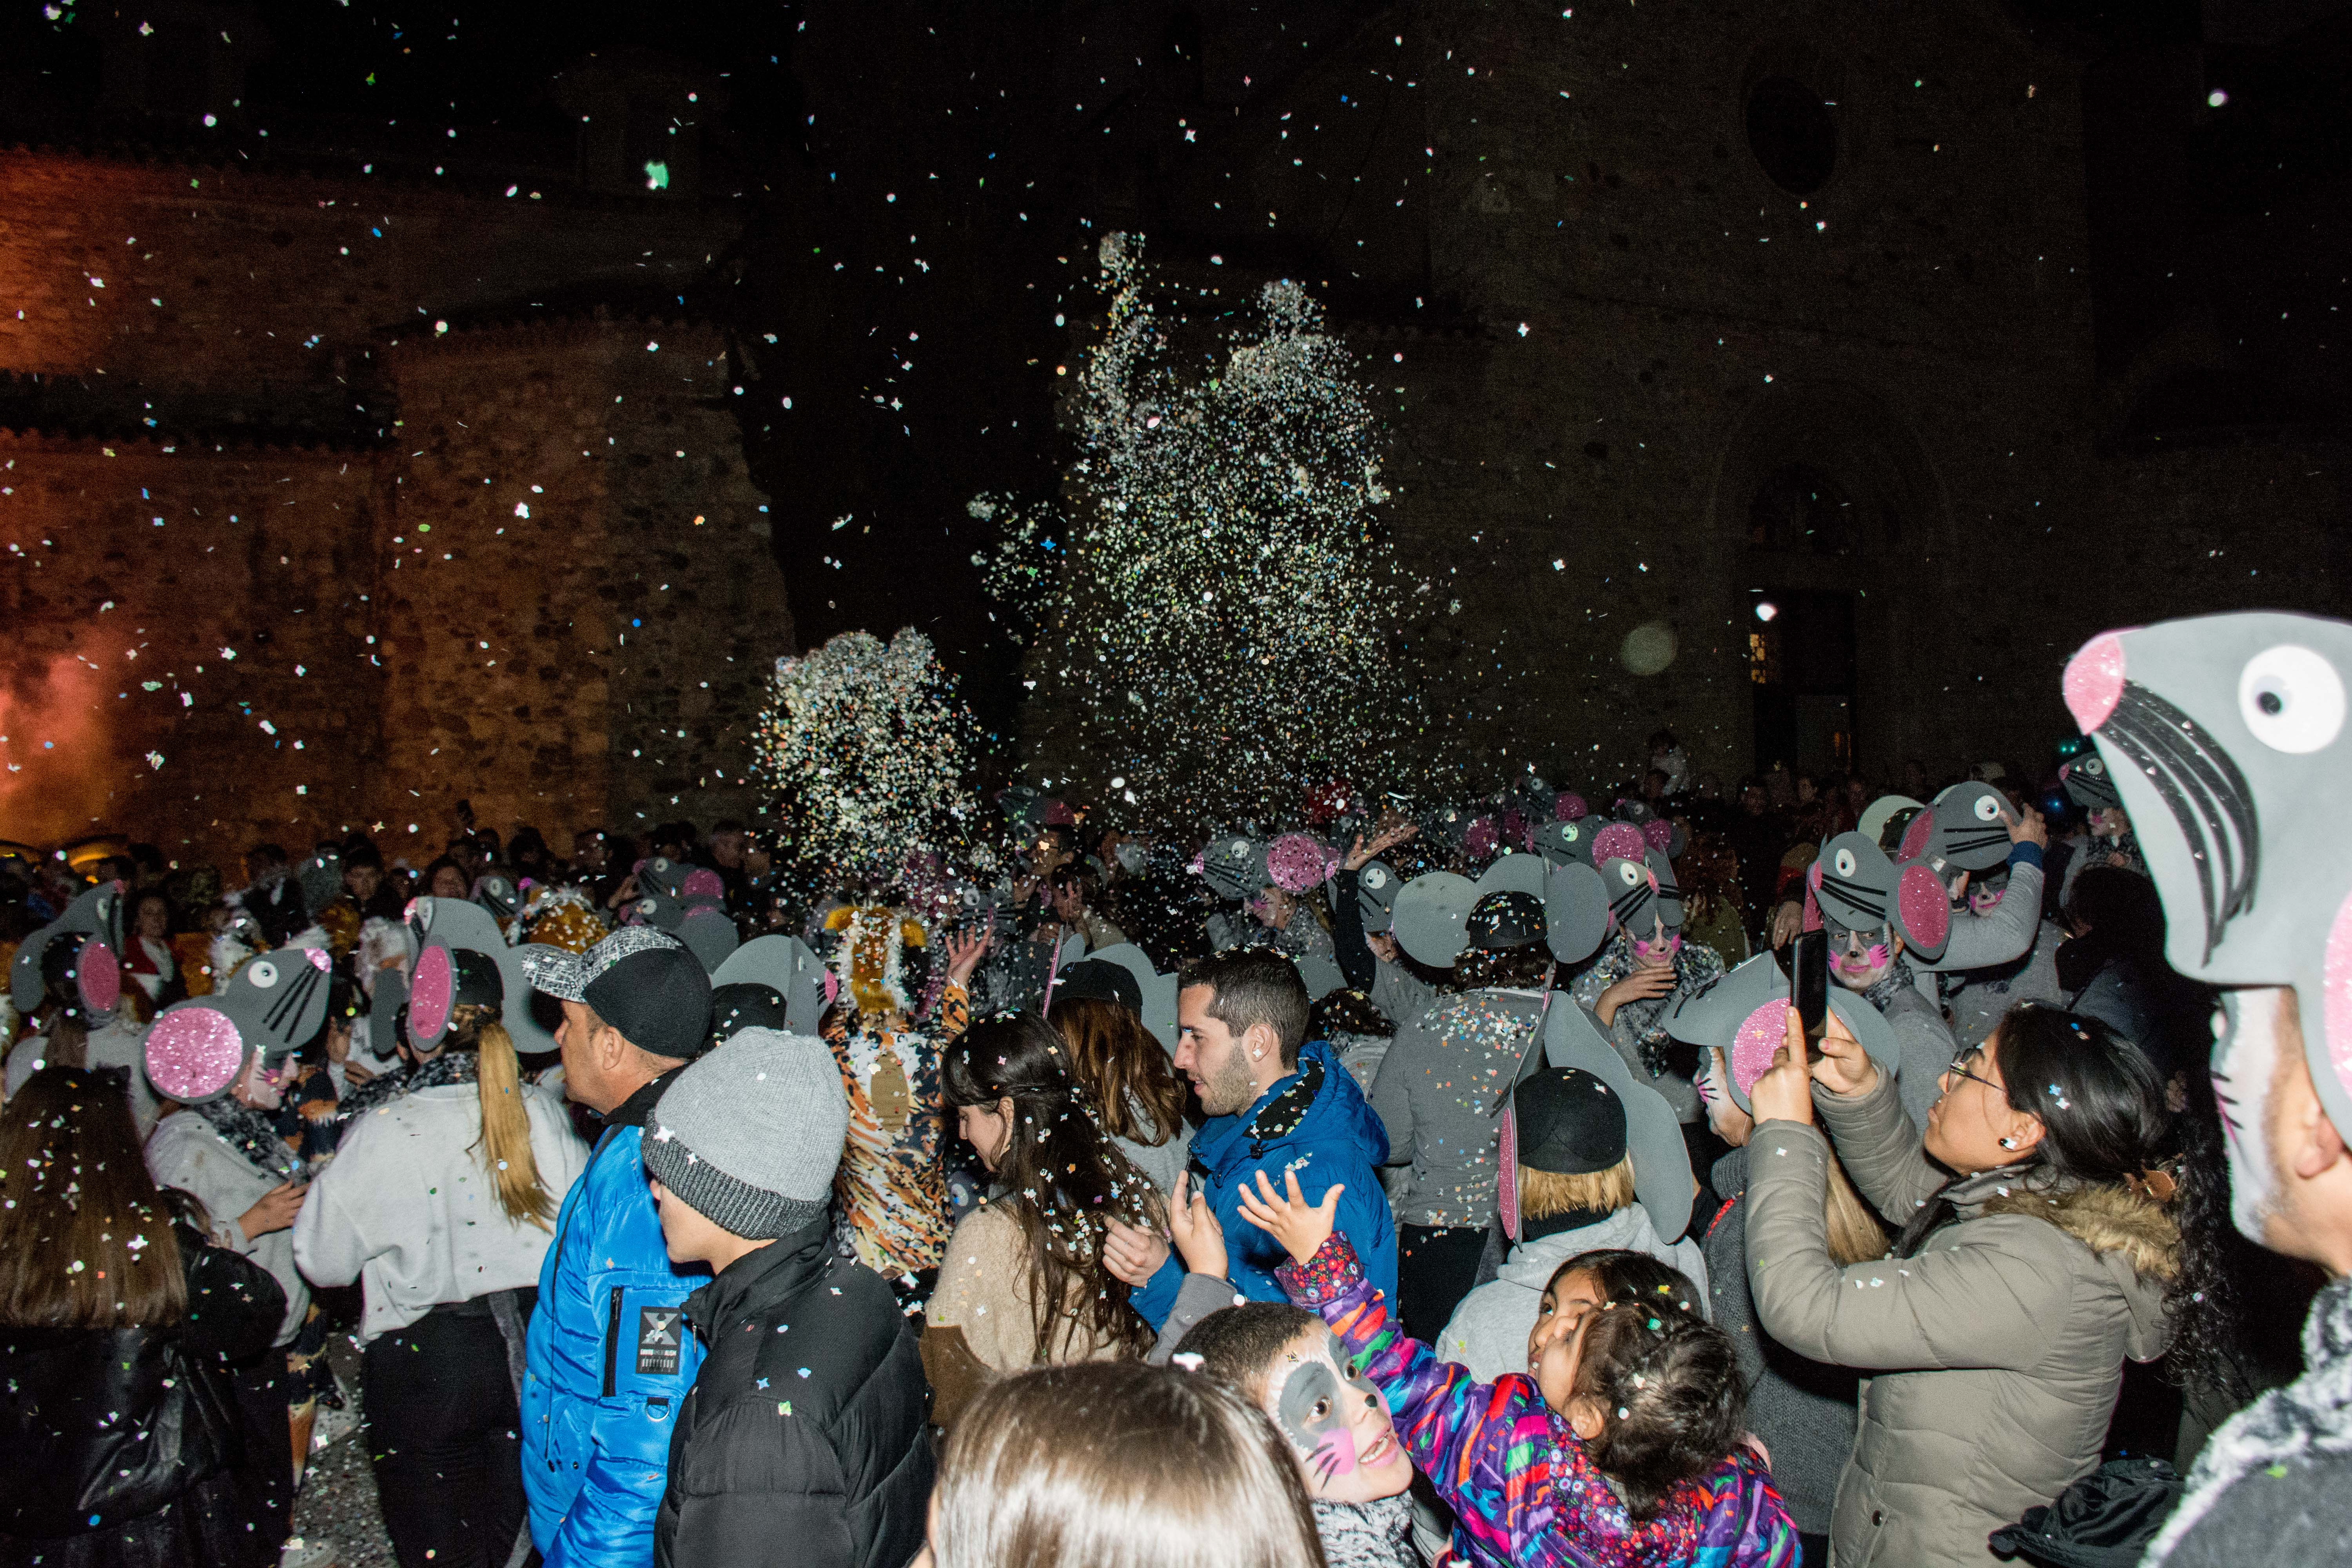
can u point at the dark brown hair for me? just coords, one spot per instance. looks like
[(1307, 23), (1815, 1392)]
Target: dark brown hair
[(1668, 1387), (1254, 985), (1061, 1177), (1236, 1344), (86, 1240), (1115, 1060), (1118, 1465)]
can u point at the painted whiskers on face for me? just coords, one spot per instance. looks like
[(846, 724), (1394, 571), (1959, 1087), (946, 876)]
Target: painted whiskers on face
[(2245, 1064), (1336, 1422)]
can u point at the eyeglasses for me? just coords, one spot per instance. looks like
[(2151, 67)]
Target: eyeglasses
[(1959, 1068)]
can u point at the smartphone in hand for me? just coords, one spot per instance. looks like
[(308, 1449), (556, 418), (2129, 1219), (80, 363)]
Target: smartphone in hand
[(1808, 988)]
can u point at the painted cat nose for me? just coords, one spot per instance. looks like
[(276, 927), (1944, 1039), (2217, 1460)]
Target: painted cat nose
[(2094, 680)]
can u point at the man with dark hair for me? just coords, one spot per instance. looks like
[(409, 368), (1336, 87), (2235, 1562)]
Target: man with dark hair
[(1276, 1103)]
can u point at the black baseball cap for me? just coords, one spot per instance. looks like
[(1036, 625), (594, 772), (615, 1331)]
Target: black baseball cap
[(1570, 1123), (643, 982)]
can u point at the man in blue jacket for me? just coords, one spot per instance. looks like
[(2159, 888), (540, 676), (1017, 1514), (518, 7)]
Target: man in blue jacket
[(1277, 1102), (608, 1358)]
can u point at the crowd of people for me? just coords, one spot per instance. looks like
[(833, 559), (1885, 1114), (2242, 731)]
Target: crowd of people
[(1812, 1170)]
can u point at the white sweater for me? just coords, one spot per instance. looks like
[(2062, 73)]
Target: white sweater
[(408, 1209), (185, 1151)]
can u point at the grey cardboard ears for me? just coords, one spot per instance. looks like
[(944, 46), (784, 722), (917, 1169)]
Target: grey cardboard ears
[(498, 895), (2226, 738), (1322, 976), (786, 965), (1742, 1013), (97, 913), (462, 923), (2090, 782), (710, 934), (1376, 886), (1562, 842), (1661, 1173), (198, 1049), (663, 875), (1857, 886), (1431, 914), (1234, 865), (1157, 990)]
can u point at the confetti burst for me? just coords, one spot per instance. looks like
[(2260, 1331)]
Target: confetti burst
[(867, 748), (1213, 619)]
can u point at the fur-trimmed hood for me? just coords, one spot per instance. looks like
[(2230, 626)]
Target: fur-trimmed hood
[(2108, 1219)]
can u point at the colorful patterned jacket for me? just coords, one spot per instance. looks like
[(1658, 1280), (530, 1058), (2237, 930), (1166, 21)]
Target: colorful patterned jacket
[(1523, 1493)]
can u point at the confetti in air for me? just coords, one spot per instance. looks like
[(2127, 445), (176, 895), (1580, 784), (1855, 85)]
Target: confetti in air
[(1213, 620)]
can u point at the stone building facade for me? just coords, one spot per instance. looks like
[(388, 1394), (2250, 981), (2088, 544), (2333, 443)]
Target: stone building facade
[(1687, 315), (328, 502)]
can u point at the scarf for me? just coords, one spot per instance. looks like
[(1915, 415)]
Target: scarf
[(1896, 980), (252, 1132), (1696, 966), (1375, 1534), (448, 1067), (2310, 1417)]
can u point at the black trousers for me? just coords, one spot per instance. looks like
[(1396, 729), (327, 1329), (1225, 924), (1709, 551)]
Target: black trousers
[(1436, 1268), (444, 1438)]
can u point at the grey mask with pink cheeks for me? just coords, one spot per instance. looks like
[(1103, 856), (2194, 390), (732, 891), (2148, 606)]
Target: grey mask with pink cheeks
[(1854, 890), (1337, 1424), (1653, 951)]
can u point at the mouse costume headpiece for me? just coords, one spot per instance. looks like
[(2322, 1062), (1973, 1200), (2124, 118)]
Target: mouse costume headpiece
[(771, 982), (1889, 818), (1564, 841), (274, 1005), (1852, 885), (1297, 864), (498, 895), (1376, 886), (95, 917), (1431, 914), (1967, 829), (2089, 782), (1123, 973), (1642, 893), (463, 959), (2225, 739), (1234, 866), (1558, 1119), (1743, 1013)]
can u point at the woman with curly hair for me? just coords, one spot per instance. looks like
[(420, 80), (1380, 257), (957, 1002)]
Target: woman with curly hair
[(1024, 1283), (2072, 1234)]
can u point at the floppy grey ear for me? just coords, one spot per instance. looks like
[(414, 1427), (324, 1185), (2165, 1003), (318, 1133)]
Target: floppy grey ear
[(1431, 915), (1662, 1172), (786, 966), (1321, 975), (1514, 873), (1566, 843), (1376, 886), (460, 922), (1576, 910), (708, 935), (1159, 989)]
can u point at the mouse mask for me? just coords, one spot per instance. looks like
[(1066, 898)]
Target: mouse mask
[(1852, 887), (199, 1050), (1967, 829), (1336, 1422), (2224, 738), (95, 917)]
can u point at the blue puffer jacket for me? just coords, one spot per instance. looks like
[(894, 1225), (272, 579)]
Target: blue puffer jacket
[(609, 1358), (1315, 1123)]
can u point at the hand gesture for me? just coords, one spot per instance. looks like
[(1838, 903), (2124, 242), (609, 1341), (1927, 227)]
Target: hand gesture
[(2029, 828), (1643, 986), (1200, 1240), (1844, 1068), (1787, 923), (1132, 1254), (276, 1211), (1785, 1091), (1388, 836), (1301, 1229), (965, 950)]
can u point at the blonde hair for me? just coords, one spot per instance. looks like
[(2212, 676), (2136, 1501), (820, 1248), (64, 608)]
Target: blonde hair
[(1855, 1235), (505, 1143), (1545, 1192)]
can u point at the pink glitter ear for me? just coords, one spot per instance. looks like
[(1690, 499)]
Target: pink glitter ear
[(1915, 837), (1618, 841), (1480, 839), (1760, 1034), (1812, 910), (318, 959), (2336, 995), (100, 975), (2094, 680), (1925, 908), (703, 883), (1506, 1158), (193, 1053), (429, 994), (1657, 833), (1569, 806)]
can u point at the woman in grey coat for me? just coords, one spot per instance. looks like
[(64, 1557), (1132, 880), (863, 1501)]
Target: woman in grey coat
[(1997, 1330)]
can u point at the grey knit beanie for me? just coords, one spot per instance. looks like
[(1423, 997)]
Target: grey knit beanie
[(750, 1135)]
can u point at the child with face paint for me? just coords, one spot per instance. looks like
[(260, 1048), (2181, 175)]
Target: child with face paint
[(1620, 1444), (1284, 1361)]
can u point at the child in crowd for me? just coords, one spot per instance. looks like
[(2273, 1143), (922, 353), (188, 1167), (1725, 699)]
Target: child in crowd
[(1620, 1444)]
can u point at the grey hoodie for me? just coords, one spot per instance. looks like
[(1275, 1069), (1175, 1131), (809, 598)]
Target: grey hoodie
[(1488, 1332)]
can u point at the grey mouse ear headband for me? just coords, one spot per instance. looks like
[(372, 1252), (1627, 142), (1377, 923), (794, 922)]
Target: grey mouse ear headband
[(2226, 739), (1431, 914), (1743, 1013), (1857, 886), (460, 923), (786, 965)]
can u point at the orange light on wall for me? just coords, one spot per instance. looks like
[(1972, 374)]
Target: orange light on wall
[(57, 764)]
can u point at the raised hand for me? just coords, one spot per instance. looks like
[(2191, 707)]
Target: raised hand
[(1200, 1240), (1300, 1227), (1133, 1254), (965, 950)]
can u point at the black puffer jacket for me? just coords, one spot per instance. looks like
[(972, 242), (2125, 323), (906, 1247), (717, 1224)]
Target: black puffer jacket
[(126, 1444), (803, 1440)]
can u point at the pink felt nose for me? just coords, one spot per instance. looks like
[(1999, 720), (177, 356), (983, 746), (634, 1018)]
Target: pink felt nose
[(2094, 680)]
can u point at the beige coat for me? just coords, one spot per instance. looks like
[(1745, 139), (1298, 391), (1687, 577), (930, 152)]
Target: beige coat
[(1998, 1347), (979, 1323)]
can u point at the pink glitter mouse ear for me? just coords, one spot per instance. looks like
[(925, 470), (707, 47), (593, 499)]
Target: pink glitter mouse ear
[(1915, 834), (99, 973), (430, 991), (1507, 1160), (1759, 1036), (193, 1053), (1925, 910), (1618, 841), (702, 883)]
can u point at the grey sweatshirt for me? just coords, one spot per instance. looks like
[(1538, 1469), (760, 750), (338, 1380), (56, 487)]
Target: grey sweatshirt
[(1436, 1093), (1488, 1332)]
